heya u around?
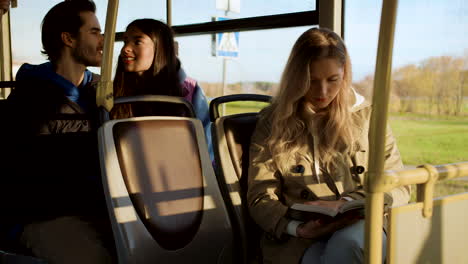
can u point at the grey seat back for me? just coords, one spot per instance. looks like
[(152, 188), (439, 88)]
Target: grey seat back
[(163, 198), (231, 141)]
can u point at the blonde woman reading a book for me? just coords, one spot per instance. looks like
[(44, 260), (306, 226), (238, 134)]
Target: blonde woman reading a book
[(311, 147)]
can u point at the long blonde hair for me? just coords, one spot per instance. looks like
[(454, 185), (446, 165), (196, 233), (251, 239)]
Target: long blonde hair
[(291, 119)]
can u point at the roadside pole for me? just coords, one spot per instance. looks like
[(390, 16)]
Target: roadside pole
[(226, 44), (224, 88)]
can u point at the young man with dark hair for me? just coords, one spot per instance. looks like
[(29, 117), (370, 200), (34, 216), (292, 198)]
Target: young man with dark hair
[(72, 40), (54, 141)]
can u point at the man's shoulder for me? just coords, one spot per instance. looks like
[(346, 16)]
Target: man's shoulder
[(36, 91), (34, 84), (31, 71), (31, 78)]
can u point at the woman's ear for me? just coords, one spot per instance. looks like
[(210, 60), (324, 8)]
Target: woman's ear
[(67, 39)]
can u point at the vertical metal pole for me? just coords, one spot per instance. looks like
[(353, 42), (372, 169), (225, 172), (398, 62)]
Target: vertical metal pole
[(169, 12), (104, 96), (330, 15), (224, 84), (6, 62), (224, 73), (378, 123), (374, 221)]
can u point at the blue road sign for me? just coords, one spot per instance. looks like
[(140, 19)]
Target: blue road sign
[(227, 43)]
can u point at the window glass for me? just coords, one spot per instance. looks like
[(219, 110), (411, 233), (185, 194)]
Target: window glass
[(429, 100), (262, 54), (200, 11), (26, 24), (258, 69), (425, 29)]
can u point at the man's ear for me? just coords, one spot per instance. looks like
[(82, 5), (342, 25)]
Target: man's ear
[(67, 39)]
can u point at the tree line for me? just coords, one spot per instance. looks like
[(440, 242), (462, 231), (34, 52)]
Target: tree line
[(435, 86)]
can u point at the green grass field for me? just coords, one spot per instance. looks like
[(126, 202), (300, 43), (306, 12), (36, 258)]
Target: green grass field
[(435, 141), (244, 107), (445, 188)]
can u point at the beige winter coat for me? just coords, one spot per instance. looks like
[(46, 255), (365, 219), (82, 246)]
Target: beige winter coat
[(270, 193)]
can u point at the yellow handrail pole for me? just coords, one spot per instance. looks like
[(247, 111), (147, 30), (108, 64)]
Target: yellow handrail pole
[(169, 13), (104, 95), (421, 176), (6, 61), (374, 178)]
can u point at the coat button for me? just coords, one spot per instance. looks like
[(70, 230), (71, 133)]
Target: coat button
[(358, 169), (298, 169), (304, 194)]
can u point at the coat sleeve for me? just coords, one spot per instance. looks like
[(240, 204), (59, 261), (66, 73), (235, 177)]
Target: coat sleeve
[(264, 186), (200, 106)]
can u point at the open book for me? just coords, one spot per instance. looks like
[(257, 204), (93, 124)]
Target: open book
[(306, 212)]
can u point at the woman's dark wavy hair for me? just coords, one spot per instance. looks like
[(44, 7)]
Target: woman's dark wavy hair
[(160, 79), (63, 17)]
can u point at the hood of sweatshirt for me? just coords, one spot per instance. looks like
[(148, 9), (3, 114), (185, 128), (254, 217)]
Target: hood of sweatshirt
[(46, 72)]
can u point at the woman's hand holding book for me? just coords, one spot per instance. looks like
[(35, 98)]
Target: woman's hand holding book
[(316, 228)]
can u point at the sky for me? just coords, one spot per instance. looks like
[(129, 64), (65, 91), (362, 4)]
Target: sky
[(425, 28)]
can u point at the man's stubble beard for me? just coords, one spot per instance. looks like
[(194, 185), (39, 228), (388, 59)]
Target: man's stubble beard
[(81, 55)]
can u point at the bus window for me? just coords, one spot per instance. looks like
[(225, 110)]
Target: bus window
[(257, 69), (203, 10), (131, 10), (29, 14), (428, 106)]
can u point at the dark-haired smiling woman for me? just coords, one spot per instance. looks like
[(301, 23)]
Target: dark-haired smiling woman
[(305, 149), (148, 65)]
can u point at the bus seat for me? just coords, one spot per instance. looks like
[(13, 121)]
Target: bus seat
[(3, 112), (3, 105), (152, 105), (10, 258), (231, 140), (5, 88), (39, 184), (161, 190), (7, 84)]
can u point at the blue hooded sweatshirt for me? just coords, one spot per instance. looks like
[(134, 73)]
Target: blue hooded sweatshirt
[(46, 72)]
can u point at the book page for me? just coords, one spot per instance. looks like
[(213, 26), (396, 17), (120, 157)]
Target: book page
[(351, 205), (314, 209)]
